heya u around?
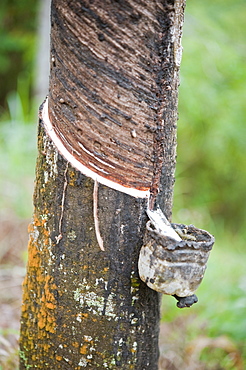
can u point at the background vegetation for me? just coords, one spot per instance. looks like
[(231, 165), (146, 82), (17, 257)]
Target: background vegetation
[(210, 178)]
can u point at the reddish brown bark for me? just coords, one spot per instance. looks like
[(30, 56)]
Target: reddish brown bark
[(112, 102)]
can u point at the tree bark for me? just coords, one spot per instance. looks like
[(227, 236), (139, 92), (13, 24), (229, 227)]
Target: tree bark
[(84, 307)]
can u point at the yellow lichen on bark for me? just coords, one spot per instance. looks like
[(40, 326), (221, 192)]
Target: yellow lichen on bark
[(83, 349), (46, 317), (37, 281), (72, 178)]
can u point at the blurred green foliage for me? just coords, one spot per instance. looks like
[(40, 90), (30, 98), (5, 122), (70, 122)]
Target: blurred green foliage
[(18, 23), (211, 165), (211, 174), (18, 157), (222, 299), (17, 47)]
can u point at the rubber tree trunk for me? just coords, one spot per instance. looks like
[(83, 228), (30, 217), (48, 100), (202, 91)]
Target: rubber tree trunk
[(84, 307)]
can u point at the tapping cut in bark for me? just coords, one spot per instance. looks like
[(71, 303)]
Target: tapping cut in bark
[(88, 166), (113, 103)]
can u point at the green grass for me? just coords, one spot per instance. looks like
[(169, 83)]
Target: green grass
[(221, 309), (222, 300), (18, 157)]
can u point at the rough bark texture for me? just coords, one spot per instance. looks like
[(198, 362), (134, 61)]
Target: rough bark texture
[(84, 307), (113, 86)]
